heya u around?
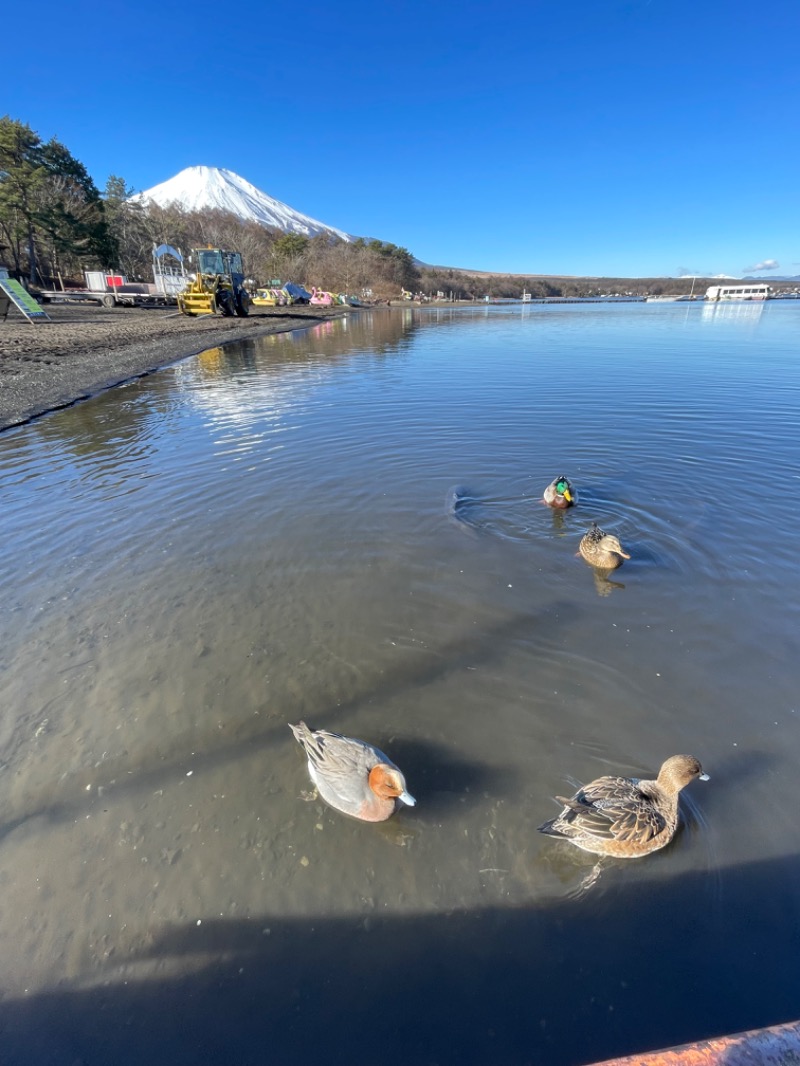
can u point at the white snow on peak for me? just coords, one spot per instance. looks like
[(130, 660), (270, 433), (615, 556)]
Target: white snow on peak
[(204, 188)]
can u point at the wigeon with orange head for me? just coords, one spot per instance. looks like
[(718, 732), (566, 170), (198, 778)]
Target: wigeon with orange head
[(352, 776)]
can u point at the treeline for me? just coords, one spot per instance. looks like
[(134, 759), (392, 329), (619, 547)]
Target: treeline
[(324, 261), (476, 286), (55, 224), (52, 217)]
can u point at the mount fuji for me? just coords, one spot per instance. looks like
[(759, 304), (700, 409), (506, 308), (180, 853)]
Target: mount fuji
[(206, 188)]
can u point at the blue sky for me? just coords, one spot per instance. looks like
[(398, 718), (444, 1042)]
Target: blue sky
[(587, 137)]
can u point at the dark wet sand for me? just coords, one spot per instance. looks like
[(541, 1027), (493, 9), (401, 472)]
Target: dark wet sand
[(85, 349)]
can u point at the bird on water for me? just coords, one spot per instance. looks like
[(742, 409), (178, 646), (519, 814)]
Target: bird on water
[(352, 776), (623, 816)]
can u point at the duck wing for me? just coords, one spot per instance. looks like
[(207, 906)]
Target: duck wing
[(336, 756), (613, 808)]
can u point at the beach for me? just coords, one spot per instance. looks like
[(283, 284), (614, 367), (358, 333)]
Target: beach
[(84, 349)]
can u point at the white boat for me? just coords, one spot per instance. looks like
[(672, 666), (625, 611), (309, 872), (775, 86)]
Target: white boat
[(684, 298), (755, 291)]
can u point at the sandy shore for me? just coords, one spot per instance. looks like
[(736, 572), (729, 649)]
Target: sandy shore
[(85, 349)]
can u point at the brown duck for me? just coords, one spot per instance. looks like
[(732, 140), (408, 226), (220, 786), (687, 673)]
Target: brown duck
[(602, 550), (623, 816)]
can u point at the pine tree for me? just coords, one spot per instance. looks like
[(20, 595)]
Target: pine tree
[(71, 214), (22, 175), (49, 205)]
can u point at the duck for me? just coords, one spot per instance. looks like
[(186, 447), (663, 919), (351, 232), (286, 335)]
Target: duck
[(602, 550), (560, 493), (623, 816), (352, 776)]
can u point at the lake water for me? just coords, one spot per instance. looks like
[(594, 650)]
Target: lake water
[(258, 535)]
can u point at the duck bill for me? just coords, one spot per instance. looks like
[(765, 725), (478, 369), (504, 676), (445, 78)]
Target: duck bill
[(624, 554), (704, 777), (408, 799), (567, 495)]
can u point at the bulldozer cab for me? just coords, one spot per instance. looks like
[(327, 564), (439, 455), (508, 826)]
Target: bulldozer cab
[(215, 261)]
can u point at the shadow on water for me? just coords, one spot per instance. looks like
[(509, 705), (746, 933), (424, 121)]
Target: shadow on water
[(546, 984), (147, 769), (443, 779)]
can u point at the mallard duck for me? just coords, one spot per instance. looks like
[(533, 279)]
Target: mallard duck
[(560, 493), (602, 550), (623, 816), (351, 775)]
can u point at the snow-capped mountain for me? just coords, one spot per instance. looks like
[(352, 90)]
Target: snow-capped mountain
[(203, 188)]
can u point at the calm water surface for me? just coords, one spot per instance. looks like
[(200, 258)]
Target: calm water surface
[(258, 535)]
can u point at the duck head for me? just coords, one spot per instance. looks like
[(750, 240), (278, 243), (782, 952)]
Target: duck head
[(610, 543), (388, 783), (678, 771)]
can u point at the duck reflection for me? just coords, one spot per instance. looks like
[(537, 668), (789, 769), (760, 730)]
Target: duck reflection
[(559, 525), (603, 584)]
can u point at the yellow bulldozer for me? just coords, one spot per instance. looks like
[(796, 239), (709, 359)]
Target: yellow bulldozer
[(218, 285)]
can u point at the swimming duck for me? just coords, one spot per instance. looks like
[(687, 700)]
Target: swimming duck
[(602, 550), (623, 816), (351, 775), (560, 493)]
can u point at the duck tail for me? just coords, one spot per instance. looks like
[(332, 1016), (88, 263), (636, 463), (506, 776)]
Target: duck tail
[(550, 828), (301, 732)]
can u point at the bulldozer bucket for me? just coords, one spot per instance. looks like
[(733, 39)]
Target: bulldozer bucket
[(197, 303)]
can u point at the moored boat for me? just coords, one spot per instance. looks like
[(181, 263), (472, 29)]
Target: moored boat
[(723, 293), (320, 298)]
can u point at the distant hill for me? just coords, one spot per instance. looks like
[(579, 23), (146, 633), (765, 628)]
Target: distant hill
[(470, 272), (775, 277), (213, 188)]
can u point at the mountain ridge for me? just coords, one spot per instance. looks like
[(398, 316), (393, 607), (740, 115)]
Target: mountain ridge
[(201, 188), (775, 277)]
